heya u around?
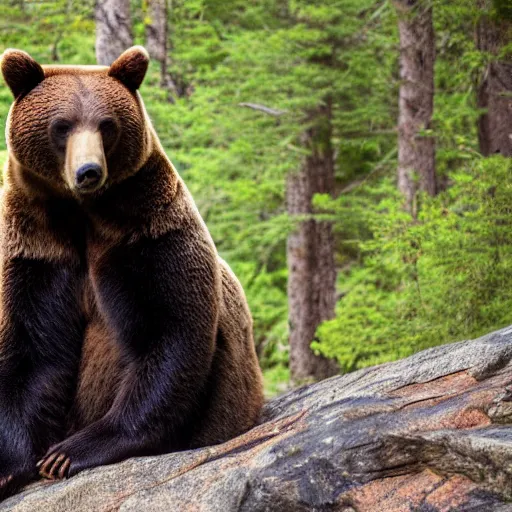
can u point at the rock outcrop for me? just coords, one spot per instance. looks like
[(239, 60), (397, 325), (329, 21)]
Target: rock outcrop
[(428, 433)]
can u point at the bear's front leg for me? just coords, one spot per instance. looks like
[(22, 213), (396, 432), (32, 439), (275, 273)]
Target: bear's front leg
[(98, 444), (12, 480), (161, 298), (17, 474), (40, 341), (10, 484)]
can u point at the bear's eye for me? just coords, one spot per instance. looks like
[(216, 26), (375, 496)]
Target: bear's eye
[(109, 132), (108, 126), (61, 128)]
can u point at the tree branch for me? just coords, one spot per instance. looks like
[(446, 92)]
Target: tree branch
[(263, 108)]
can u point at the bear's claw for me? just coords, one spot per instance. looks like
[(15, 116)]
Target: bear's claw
[(5, 480), (54, 466)]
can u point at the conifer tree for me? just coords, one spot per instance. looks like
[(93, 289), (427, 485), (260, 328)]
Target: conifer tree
[(416, 150), (310, 250), (493, 34)]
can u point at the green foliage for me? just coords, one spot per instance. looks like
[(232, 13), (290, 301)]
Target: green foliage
[(404, 284), (412, 284), (276, 380), (503, 8), (445, 276)]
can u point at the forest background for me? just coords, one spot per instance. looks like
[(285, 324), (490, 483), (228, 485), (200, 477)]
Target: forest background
[(350, 157)]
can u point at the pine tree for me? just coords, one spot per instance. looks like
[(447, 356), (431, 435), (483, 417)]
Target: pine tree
[(310, 250), (416, 150), (493, 34)]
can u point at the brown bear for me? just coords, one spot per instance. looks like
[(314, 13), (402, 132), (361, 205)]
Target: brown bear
[(122, 331)]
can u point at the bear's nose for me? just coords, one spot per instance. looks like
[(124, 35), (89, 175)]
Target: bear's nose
[(88, 175)]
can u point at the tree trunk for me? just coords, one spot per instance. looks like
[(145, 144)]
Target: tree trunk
[(157, 41), (495, 89), (113, 29), (20, 4), (310, 254), (416, 152), (157, 29)]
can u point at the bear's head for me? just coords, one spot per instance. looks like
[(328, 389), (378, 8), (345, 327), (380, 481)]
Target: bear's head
[(77, 129)]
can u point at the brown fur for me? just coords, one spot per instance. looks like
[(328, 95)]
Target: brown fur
[(140, 202)]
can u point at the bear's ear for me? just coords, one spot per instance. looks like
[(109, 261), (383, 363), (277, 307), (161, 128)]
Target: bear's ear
[(130, 67), (20, 71)]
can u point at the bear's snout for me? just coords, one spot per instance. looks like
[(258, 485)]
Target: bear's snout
[(88, 176), (86, 166)]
